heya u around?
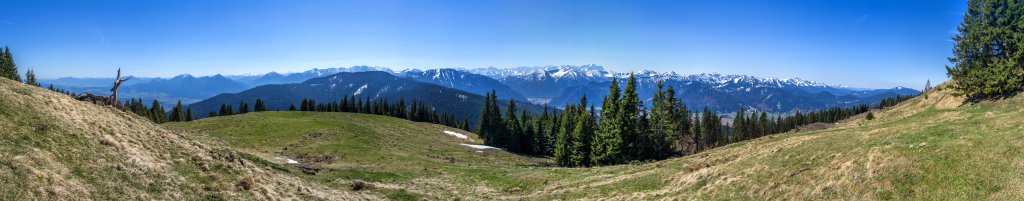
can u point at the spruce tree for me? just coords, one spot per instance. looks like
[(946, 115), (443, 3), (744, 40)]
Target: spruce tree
[(9, 67), (243, 107), (629, 113), (739, 125), (607, 146), (512, 127), (177, 114), (3, 65), (260, 106), (765, 125), (564, 141), (582, 135), (986, 58), (188, 115), (485, 126), (30, 78), (159, 115), (698, 136), (710, 130)]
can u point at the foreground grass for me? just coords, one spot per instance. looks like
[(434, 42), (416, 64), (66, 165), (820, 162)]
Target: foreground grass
[(923, 149), (53, 147)]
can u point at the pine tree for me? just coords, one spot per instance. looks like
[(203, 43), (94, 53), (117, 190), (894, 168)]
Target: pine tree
[(486, 125), (159, 115), (30, 78), (679, 124), (292, 107), (764, 124), (564, 140), (4, 71), (178, 113), (986, 58), (927, 87), (8, 67), (607, 144), (243, 107), (582, 135), (526, 139), (188, 115), (710, 130), (260, 106), (739, 125), (512, 127), (659, 131), (698, 136), (629, 113), (225, 110), (686, 139)]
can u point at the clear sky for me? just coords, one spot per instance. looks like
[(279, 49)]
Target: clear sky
[(861, 43)]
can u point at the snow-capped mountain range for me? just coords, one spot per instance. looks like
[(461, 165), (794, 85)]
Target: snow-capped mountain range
[(558, 85)]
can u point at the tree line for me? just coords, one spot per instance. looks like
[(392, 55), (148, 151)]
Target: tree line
[(417, 111), (624, 131)]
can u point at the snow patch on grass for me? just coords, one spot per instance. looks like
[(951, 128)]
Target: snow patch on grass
[(480, 147), (287, 160), (458, 135)]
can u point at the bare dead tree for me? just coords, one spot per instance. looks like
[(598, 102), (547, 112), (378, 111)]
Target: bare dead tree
[(117, 83)]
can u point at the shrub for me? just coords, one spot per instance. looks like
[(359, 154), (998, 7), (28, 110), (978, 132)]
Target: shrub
[(870, 116), (359, 185), (246, 183)]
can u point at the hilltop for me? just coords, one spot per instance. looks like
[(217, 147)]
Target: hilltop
[(55, 147), (925, 148)]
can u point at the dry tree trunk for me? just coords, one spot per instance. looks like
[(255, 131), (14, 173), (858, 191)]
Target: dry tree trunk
[(117, 83)]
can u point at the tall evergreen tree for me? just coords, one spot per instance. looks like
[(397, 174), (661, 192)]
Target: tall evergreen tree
[(564, 142), (698, 135), (188, 115), (739, 125), (629, 113), (987, 62), (512, 127), (607, 147), (260, 106), (30, 78), (582, 135), (710, 129), (159, 114), (178, 113), (8, 67), (243, 107)]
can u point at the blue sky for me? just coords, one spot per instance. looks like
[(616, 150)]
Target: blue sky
[(860, 43)]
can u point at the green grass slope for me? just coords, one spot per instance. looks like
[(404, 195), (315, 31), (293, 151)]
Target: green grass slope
[(922, 149), (400, 158), (53, 147)]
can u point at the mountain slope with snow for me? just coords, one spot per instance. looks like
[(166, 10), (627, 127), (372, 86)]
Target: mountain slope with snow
[(463, 80)]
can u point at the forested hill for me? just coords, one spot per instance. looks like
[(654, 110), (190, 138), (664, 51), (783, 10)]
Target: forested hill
[(361, 85)]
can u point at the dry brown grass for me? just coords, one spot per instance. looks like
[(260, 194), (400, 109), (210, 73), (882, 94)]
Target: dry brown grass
[(88, 151)]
